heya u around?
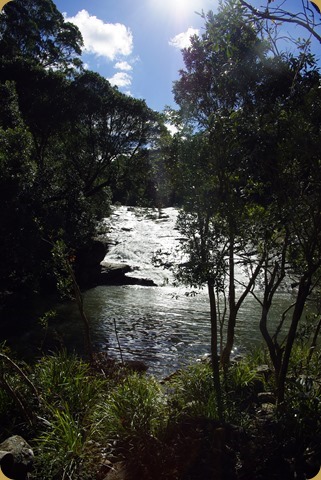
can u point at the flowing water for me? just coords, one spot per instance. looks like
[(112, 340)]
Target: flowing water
[(164, 326)]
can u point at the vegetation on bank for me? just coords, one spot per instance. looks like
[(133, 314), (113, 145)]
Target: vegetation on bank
[(83, 419)]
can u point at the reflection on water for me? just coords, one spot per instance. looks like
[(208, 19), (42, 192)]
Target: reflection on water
[(161, 326)]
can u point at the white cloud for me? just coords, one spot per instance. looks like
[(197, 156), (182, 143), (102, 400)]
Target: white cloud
[(123, 66), (103, 39), (183, 40), (120, 79)]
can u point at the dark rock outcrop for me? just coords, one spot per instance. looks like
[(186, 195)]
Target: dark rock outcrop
[(113, 273), (116, 274), (91, 270)]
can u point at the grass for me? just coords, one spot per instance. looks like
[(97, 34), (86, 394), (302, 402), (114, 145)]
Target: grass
[(86, 419), (191, 393), (67, 380)]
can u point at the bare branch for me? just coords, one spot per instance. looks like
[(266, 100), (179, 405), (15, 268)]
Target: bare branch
[(304, 19)]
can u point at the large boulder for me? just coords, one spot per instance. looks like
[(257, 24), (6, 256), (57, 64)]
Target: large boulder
[(16, 458)]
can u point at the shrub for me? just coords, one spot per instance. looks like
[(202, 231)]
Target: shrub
[(65, 446), (132, 421)]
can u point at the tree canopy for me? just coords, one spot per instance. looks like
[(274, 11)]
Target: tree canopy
[(37, 32)]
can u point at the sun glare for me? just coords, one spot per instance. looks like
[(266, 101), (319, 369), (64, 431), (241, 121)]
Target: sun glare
[(181, 13), (178, 5), (182, 7)]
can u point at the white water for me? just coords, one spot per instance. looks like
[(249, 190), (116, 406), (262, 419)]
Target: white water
[(137, 235), (161, 326)]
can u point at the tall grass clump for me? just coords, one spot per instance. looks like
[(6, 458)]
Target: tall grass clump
[(242, 383), (132, 421), (65, 445), (66, 379), (64, 448), (191, 393)]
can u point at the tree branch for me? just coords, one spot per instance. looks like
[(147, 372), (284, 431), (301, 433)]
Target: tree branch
[(283, 16)]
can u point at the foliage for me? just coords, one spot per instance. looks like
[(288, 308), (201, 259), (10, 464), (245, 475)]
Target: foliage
[(248, 181), (70, 394), (62, 448), (192, 393), (16, 181), (306, 17), (64, 379), (37, 32)]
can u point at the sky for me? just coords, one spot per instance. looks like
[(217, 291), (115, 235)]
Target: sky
[(136, 44)]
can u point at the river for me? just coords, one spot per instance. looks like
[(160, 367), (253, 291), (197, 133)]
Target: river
[(164, 326)]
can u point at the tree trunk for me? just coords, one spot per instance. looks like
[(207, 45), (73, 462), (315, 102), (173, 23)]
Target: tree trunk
[(274, 349), (314, 342), (214, 352), (304, 289), (80, 303), (225, 356)]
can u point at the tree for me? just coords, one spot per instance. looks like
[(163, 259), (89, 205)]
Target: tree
[(292, 238), (108, 126), (37, 32), (78, 129), (216, 229), (224, 69), (16, 183), (247, 190)]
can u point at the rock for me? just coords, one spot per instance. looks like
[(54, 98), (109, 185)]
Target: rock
[(113, 273), (136, 366), (143, 282), (118, 472), (17, 458), (91, 269), (116, 274), (267, 409), (265, 371)]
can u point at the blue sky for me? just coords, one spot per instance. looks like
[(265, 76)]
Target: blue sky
[(136, 44)]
